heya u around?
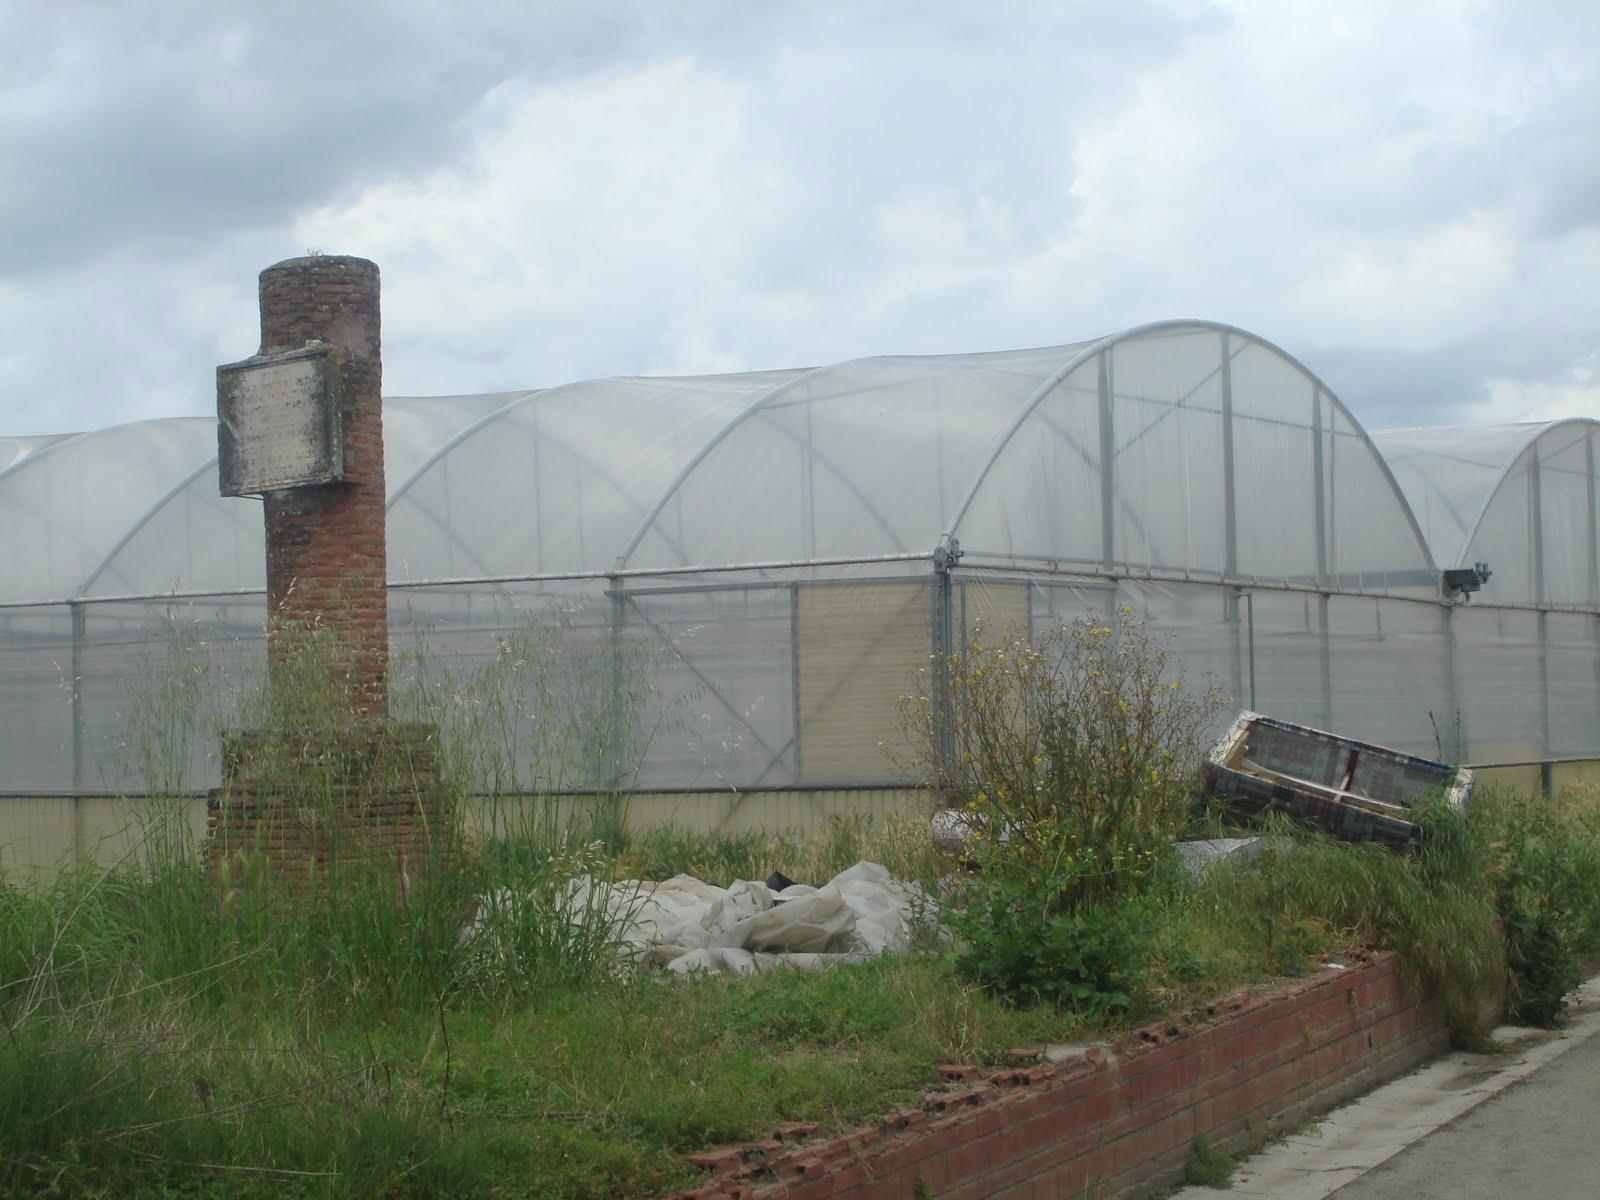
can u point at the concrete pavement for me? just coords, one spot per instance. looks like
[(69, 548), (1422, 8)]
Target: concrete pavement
[(1464, 1126), (1539, 1138)]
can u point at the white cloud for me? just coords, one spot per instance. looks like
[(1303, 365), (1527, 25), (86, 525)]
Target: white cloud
[(1403, 196)]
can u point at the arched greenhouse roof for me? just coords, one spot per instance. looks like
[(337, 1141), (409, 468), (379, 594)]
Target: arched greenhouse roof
[(1185, 450), (1520, 498)]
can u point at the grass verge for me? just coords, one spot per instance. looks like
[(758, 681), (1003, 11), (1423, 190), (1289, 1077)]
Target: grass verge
[(161, 1040)]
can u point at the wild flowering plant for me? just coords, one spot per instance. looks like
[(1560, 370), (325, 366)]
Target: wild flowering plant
[(1075, 755), (1074, 758)]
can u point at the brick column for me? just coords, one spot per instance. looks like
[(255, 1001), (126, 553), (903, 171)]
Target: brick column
[(326, 561), (304, 801)]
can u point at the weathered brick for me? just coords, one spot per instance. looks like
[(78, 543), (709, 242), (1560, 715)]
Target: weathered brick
[(1124, 1124), (327, 565)]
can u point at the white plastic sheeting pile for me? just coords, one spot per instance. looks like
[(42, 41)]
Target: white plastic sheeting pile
[(687, 925)]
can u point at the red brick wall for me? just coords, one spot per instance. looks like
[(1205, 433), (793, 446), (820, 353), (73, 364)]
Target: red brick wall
[(371, 794), (326, 561), (1117, 1121)]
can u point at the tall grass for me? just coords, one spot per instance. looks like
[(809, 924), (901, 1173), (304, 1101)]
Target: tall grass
[(123, 989), (166, 1033), (1542, 862), (1305, 894), (163, 1036)]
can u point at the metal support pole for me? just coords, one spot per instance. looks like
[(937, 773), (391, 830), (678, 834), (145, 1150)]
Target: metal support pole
[(1230, 621), (1541, 598), (1229, 513), (1592, 558), (944, 558), (1250, 631), (794, 682), (614, 733), (1325, 646), (79, 735), (1457, 717), (1108, 454), (1230, 567), (1319, 506), (79, 630), (1594, 572)]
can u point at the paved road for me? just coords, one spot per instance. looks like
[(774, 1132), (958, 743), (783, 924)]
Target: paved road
[(1537, 1140)]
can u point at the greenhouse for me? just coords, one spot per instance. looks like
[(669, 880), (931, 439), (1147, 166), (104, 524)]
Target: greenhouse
[(804, 541)]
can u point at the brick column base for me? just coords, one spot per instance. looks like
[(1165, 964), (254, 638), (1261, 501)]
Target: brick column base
[(305, 810)]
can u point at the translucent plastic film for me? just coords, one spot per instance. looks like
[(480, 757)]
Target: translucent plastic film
[(773, 557), (1521, 498), (1197, 452)]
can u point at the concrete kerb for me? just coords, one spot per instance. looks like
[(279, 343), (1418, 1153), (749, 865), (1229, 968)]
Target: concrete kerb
[(1352, 1140)]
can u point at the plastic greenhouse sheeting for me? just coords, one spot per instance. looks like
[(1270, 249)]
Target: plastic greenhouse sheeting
[(1518, 497), (800, 542)]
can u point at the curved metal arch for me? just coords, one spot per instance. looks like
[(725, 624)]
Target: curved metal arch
[(1436, 492), (44, 440), (144, 519), (176, 490), (1528, 445), (1091, 349), (69, 440), (474, 427), (717, 439), (767, 401), (77, 439), (461, 435)]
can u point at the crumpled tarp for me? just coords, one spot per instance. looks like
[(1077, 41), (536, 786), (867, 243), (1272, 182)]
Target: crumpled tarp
[(687, 925)]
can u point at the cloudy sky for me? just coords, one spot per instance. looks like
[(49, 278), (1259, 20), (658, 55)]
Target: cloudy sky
[(1405, 195)]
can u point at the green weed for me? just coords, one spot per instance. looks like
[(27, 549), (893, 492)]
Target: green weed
[(1207, 1166)]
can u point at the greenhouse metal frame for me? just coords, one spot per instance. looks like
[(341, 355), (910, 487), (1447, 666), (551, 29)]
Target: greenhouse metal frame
[(805, 541)]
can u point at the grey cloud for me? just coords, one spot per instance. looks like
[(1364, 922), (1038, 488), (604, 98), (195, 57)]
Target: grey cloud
[(892, 177), (128, 123), (1390, 388)]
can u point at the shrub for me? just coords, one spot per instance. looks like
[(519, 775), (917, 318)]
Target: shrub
[(1092, 959), (1075, 760), (1305, 893), (1207, 1166), (1544, 868), (1077, 754)]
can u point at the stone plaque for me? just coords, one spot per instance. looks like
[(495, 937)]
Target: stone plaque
[(278, 422)]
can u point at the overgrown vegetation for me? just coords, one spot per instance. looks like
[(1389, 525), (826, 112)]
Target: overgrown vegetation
[(1072, 758), (167, 1037), (1543, 863), (1207, 1166)]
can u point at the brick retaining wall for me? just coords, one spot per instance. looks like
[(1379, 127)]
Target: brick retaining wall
[(1115, 1121)]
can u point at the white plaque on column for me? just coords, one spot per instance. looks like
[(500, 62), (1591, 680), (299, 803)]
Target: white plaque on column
[(278, 422)]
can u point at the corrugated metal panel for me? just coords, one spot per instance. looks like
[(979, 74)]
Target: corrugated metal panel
[(994, 606), (806, 812), (40, 833), (859, 649), (36, 834)]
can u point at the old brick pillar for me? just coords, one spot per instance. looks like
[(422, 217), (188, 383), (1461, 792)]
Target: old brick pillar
[(320, 788), (326, 561)]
